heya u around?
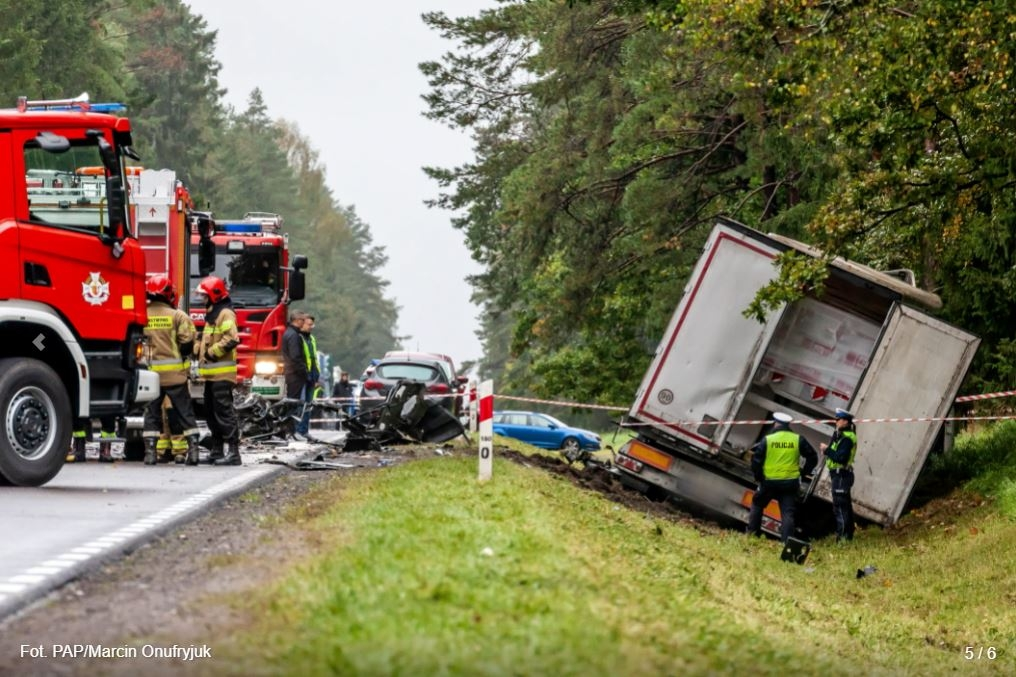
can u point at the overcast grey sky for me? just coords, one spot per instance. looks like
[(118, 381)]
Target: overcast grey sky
[(346, 73)]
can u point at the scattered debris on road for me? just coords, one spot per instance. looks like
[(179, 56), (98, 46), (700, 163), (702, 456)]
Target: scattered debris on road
[(406, 416)]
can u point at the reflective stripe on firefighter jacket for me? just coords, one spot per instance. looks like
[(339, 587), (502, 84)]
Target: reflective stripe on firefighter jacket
[(217, 350), (168, 328), (852, 436), (783, 453)]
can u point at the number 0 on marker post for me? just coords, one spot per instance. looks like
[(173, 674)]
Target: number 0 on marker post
[(486, 423)]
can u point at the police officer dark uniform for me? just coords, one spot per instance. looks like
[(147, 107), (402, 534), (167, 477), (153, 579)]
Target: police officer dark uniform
[(775, 462), (216, 353), (170, 333), (839, 459), (295, 365)]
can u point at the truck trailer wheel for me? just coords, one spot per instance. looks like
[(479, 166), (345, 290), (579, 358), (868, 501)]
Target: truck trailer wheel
[(35, 422)]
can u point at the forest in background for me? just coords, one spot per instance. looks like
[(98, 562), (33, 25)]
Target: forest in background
[(158, 58), (608, 135)]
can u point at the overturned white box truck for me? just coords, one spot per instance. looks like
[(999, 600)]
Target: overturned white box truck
[(862, 345)]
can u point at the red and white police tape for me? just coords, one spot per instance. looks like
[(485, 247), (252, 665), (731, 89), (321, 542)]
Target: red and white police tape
[(604, 407), (920, 419)]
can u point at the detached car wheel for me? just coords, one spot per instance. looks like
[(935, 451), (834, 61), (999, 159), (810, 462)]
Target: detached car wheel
[(35, 422)]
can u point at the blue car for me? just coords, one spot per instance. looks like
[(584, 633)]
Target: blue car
[(544, 431)]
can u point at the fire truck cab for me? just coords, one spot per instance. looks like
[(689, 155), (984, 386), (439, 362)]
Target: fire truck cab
[(251, 255), (73, 309)]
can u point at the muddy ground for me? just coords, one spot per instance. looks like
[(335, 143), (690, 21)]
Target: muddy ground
[(162, 589)]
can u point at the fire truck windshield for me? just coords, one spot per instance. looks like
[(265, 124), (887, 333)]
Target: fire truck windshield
[(69, 189), (252, 276)]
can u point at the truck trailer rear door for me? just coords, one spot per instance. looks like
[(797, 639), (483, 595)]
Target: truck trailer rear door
[(703, 364), (916, 371)]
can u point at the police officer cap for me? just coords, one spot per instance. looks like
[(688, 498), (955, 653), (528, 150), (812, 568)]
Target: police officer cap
[(780, 417), (843, 413)]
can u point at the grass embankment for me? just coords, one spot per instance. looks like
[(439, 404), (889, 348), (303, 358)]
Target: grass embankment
[(422, 570)]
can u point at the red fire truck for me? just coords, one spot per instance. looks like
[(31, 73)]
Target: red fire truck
[(161, 207), (252, 255), (73, 308)]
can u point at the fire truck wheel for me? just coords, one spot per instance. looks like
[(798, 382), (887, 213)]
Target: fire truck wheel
[(35, 422)]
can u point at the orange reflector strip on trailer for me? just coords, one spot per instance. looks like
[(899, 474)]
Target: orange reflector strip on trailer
[(649, 456), (772, 510)]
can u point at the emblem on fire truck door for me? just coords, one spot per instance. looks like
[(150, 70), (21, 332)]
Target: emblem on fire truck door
[(95, 289)]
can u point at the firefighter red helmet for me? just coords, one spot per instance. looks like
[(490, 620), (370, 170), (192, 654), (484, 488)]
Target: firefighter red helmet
[(214, 288), (161, 287)]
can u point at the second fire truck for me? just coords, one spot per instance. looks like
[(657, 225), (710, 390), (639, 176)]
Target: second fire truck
[(251, 255)]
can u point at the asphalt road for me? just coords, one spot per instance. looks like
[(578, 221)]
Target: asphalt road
[(90, 513)]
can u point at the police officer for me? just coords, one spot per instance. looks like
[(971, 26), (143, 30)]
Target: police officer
[(216, 353), (775, 462), (171, 335), (343, 392), (839, 459), (313, 387), (294, 359)]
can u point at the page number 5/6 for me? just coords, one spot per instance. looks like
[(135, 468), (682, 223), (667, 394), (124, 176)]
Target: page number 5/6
[(976, 653)]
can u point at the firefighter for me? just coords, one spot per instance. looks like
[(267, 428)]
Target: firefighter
[(839, 459), (172, 443), (79, 437), (775, 462), (216, 353), (170, 334)]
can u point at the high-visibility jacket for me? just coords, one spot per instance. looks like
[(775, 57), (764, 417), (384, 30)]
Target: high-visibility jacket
[(217, 349), (850, 435), (783, 454), (169, 331), (310, 356)]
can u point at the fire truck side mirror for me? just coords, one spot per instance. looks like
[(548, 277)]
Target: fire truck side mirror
[(299, 262), (297, 284), (206, 256), (202, 224), (117, 201)]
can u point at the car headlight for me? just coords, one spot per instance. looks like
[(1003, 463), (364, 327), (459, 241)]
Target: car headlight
[(266, 367)]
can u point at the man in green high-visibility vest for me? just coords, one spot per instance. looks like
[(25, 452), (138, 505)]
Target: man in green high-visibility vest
[(839, 453), (776, 464)]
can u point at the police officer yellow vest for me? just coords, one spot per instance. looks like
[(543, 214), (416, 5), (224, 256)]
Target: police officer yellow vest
[(852, 436), (783, 453)]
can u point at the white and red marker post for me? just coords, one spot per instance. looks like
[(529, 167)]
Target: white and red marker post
[(472, 406), (486, 422)]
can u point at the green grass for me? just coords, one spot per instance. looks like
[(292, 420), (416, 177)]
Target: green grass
[(985, 462), (573, 584)]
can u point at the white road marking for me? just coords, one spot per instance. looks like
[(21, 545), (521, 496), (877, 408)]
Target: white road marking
[(40, 572)]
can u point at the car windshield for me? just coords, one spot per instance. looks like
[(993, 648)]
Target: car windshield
[(418, 372)]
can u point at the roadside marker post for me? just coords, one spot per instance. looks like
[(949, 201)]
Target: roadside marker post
[(472, 406), (486, 421)]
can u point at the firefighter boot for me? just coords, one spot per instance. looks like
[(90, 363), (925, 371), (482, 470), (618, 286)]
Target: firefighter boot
[(192, 450), (150, 455), (232, 456), (216, 453), (77, 454), (105, 452)]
